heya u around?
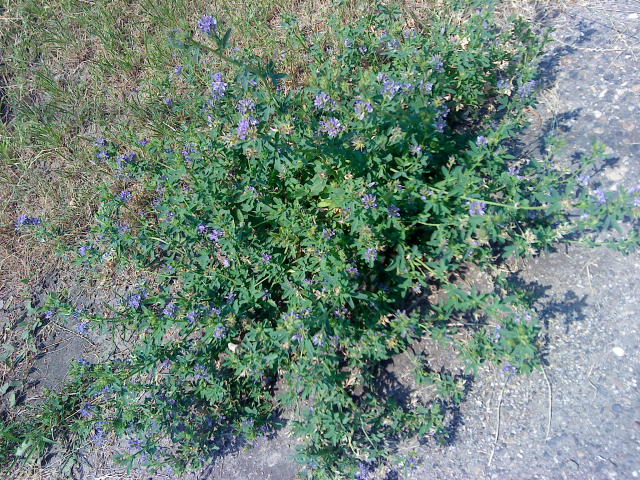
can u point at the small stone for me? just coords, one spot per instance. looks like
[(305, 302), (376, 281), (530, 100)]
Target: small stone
[(617, 408), (632, 16), (597, 113), (617, 351), (628, 126)]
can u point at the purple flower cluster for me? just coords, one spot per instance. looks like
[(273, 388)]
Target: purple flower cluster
[(509, 370), (415, 149), (393, 211), (246, 105), (98, 436), (390, 88), (527, 89), (245, 125), (364, 472), (82, 250), (192, 316), (482, 140), (187, 151), (477, 207), (438, 64), (361, 108), (207, 24), (318, 340), (25, 220), (266, 258), (101, 142), (352, 270), (371, 254), (178, 69), (332, 127), (425, 87), (220, 332), (440, 122), (124, 159), (170, 309), (328, 233), (369, 201), (600, 196), (200, 372), (324, 102), (87, 410), (82, 327), (218, 86), (125, 196)]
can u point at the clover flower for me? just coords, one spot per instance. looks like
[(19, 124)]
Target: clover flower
[(352, 270), (600, 196), (527, 89), (369, 201), (82, 250), (207, 24), (170, 309), (393, 211), (103, 155), (215, 235), (415, 150), (246, 105), (266, 258), (125, 196), (328, 234), (477, 207), (82, 327), (25, 220), (87, 410), (361, 108), (509, 370), (244, 126), (332, 127), (438, 64), (101, 142), (482, 140), (192, 316), (220, 332), (371, 254), (218, 86), (324, 102)]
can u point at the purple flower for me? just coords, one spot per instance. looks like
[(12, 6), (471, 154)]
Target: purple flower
[(364, 472), (318, 340), (170, 309), (83, 362), (600, 196), (82, 251), (482, 140), (220, 332), (266, 258), (135, 443), (527, 89), (348, 43), (244, 125), (125, 196), (246, 105), (102, 155), (509, 370), (425, 87), (416, 150), (200, 372), (513, 170), (98, 436), (82, 327), (477, 207), (215, 235), (393, 211), (218, 86), (134, 301), (216, 311), (371, 254), (49, 314), (87, 410), (362, 108), (202, 229), (369, 201), (324, 102), (168, 101), (101, 141), (438, 64), (440, 124), (208, 23), (24, 220), (192, 316), (352, 270), (584, 179), (143, 141), (297, 337), (328, 234), (332, 127), (178, 69), (231, 297)]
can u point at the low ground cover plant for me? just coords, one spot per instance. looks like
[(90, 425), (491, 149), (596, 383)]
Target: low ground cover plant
[(303, 231)]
